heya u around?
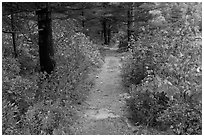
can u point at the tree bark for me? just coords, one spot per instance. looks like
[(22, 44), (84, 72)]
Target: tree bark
[(128, 24), (46, 50), (83, 23), (133, 16), (109, 34), (13, 36), (105, 31)]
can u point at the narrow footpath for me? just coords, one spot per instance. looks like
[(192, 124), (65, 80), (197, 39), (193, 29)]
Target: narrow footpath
[(103, 114)]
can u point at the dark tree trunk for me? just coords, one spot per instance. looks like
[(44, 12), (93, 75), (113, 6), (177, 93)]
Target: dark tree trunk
[(105, 31), (109, 34), (128, 24), (13, 36), (46, 50), (82, 14)]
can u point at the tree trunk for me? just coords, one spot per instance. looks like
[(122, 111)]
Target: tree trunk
[(133, 15), (13, 36), (132, 9), (130, 23), (105, 31), (109, 34), (82, 14), (46, 50)]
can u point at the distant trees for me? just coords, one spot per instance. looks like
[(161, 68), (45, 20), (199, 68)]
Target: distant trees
[(98, 20)]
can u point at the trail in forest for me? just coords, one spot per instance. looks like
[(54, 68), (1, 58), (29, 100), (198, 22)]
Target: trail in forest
[(104, 113)]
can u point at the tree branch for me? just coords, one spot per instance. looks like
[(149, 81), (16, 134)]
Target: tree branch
[(8, 31)]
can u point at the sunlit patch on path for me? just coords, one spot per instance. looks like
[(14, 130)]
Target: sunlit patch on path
[(100, 114)]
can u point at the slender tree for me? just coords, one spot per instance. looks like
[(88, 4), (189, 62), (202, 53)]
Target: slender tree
[(104, 24), (83, 22), (128, 23), (13, 33), (109, 33)]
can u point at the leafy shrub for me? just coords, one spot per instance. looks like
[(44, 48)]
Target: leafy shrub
[(175, 64), (35, 103), (135, 73), (145, 107), (7, 49), (136, 67), (75, 56), (183, 117), (17, 93), (123, 46), (49, 117), (27, 61), (153, 107), (59, 93), (10, 119), (16, 89)]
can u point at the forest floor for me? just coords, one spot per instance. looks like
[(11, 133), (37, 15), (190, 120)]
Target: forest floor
[(103, 113)]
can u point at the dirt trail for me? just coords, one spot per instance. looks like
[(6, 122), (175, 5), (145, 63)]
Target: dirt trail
[(104, 112)]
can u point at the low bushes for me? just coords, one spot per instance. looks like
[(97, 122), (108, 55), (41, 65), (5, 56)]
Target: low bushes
[(157, 102), (154, 108), (123, 46), (163, 75), (146, 106), (183, 116), (34, 103)]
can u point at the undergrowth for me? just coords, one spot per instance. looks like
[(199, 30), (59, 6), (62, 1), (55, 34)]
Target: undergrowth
[(37, 104), (163, 75)]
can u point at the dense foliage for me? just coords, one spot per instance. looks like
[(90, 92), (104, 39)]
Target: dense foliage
[(35, 105), (166, 60)]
